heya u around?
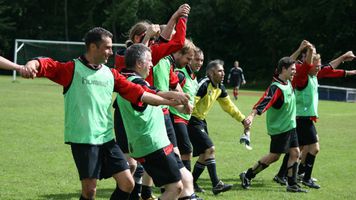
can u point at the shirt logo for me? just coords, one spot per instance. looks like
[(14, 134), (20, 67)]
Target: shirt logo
[(94, 82)]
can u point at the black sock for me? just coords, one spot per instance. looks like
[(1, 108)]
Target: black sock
[(118, 194), (135, 194), (283, 169), (251, 173), (292, 180), (301, 168), (197, 171), (211, 165), (146, 192), (186, 163), (309, 164)]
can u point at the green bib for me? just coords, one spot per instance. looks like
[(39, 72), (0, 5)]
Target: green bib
[(283, 119), (161, 75), (87, 103), (146, 130), (191, 88), (307, 99)]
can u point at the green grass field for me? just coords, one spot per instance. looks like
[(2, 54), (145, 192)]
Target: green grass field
[(36, 164)]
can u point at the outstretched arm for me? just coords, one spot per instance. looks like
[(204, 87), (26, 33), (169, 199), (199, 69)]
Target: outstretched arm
[(156, 100), (348, 56), (350, 72), (8, 65)]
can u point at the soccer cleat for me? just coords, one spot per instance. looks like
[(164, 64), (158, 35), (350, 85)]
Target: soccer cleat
[(197, 188), (280, 180), (301, 176), (245, 139), (295, 188), (221, 187), (310, 183), (245, 182), (195, 197)]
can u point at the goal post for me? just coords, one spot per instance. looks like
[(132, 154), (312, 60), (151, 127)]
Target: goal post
[(62, 51)]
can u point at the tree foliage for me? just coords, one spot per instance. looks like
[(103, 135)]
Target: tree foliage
[(257, 33)]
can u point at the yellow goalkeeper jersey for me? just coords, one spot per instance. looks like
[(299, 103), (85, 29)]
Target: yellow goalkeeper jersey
[(207, 94)]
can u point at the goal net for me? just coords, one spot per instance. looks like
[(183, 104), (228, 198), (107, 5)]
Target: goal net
[(327, 92), (26, 50)]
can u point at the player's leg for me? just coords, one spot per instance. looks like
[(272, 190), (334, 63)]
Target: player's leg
[(196, 132), (162, 166), (87, 160), (311, 148), (116, 165), (279, 144)]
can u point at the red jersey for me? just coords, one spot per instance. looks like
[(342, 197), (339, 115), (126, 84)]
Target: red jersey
[(161, 49)]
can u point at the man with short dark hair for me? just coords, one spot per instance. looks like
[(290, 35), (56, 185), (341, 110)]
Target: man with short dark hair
[(88, 85), (279, 102)]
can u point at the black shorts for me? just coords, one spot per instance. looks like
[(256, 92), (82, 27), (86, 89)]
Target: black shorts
[(306, 131), (282, 142), (120, 133), (164, 168), (170, 130), (198, 135), (183, 141), (98, 161), (235, 83)]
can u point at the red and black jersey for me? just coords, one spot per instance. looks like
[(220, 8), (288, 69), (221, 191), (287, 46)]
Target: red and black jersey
[(160, 49), (300, 80), (273, 96)]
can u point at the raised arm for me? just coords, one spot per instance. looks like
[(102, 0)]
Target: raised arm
[(182, 11), (302, 46)]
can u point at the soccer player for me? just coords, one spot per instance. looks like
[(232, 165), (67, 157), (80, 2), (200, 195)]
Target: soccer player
[(210, 89), (88, 86), (188, 81), (307, 111), (236, 78), (279, 102), (146, 132)]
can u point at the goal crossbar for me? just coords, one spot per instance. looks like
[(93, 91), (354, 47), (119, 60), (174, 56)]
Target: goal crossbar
[(19, 44)]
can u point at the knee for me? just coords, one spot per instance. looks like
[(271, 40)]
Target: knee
[(125, 182), (210, 151), (127, 185), (186, 176), (179, 188), (295, 154), (315, 150)]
